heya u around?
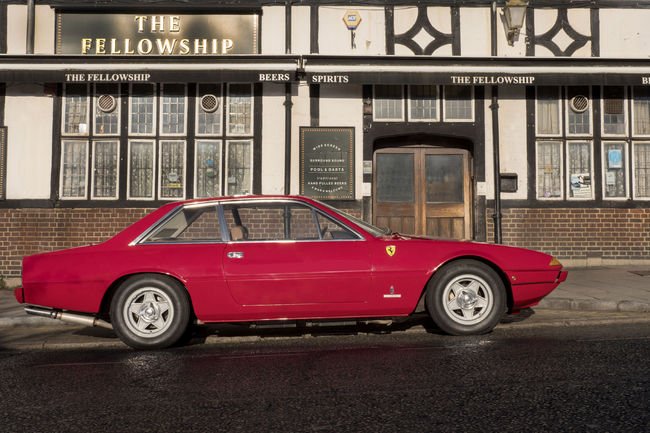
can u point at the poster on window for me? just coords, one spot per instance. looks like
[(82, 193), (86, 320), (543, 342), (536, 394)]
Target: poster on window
[(615, 158), (580, 185), (327, 163)]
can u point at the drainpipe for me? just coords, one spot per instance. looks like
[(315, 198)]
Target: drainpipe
[(288, 104), (31, 14), (494, 106)]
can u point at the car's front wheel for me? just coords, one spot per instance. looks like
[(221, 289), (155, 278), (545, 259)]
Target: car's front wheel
[(466, 297), (150, 312)]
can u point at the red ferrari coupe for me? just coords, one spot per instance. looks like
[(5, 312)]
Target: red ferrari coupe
[(260, 258)]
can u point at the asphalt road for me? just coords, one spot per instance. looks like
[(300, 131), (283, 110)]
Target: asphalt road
[(557, 378)]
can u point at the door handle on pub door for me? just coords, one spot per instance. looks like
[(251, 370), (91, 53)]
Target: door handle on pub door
[(235, 255)]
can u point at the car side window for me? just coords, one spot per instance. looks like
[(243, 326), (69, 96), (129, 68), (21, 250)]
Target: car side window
[(280, 221), (191, 224)]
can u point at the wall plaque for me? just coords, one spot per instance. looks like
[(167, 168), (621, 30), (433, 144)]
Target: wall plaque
[(327, 163)]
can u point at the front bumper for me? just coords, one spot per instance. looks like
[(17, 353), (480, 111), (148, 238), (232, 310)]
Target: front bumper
[(19, 293)]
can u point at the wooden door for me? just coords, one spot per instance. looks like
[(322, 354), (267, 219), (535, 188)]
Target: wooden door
[(423, 191)]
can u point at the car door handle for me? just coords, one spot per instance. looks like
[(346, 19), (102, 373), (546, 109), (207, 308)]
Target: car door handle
[(235, 255)]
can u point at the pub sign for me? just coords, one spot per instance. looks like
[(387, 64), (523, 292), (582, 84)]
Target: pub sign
[(327, 163)]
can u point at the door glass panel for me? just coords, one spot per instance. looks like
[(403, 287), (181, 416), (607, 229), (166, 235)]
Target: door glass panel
[(395, 177), (444, 175)]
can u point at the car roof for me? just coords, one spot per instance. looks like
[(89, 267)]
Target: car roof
[(255, 197)]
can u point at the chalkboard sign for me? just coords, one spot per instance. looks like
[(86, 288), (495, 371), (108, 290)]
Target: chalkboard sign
[(327, 163)]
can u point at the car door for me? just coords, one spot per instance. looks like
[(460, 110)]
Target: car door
[(285, 253)]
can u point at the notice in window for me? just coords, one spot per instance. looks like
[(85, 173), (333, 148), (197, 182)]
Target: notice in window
[(581, 185)]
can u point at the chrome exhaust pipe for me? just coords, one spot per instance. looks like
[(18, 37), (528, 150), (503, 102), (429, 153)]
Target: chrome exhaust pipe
[(79, 319)]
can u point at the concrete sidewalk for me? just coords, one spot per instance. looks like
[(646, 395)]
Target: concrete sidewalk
[(611, 289)]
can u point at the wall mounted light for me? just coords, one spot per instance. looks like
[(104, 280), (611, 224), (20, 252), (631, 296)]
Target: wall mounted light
[(514, 12)]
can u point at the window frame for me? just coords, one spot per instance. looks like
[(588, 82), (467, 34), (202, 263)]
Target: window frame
[(117, 170), (161, 113), (472, 105), (633, 169), (567, 101), (561, 169), (438, 101), (227, 141), (118, 108), (559, 114), (88, 112), (374, 105), (64, 141), (220, 144), (626, 169), (159, 173), (197, 109), (590, 142), (226, 112), (626, 116), (152, 141), (633, 116), (154, 120)]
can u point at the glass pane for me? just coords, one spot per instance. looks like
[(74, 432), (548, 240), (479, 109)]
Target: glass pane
[(262, 223), (189, 225), (333, 230), (240, 108), (208, 168), (614, 110), (302, 224), (172, 169), (642, 170), (173, 109), (105, 169), (107, 109), (209, 109), (240, 179), (641, 107), (395, 177), (445, 177), (142, 109), (73, 166), (579, 170), (458, 103), (615, 167), (75, 116), (141, 156), (579, 121), (548, 110), (388, 103), (423, 102), (549, 161)]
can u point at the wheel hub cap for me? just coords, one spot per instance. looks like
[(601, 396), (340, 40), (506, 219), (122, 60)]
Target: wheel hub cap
[(466, 299), (149, 312)]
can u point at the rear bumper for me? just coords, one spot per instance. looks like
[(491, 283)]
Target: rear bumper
[(19, 293)]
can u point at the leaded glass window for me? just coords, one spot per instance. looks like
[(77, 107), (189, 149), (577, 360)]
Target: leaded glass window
[(548, 111), (141, 169), (74, 176), (142, 110), (172, 169), (641, 170), (579, 170), (240, 109), (208, 168), (459, 103), (75, 110), (209, 109), (107, 109), (578, 111), (105, 169), (173, 109), (388, 103), (641, 110), (613, 108), (423, 103), (615, 169), (239, 167), (549, 169)]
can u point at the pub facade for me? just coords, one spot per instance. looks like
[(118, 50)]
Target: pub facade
[(440, 118)]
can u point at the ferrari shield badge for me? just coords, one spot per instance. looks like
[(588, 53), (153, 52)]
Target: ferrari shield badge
[(390, 250)]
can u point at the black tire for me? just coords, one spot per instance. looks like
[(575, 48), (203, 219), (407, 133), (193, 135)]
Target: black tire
[(466, 297), (150, 311)]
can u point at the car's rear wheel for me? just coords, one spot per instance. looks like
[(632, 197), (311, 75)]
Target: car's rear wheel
[(466, 297), (150, 312)]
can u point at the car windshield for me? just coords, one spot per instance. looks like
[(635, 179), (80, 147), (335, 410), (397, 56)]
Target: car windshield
[(374, 231)]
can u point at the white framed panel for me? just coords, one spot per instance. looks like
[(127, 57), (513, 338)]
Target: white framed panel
[(640, 111), (609, 110), (172, 169), (73, 175), (207, 168), (424, 109), (142, 110), (106, 123), (641, 170), (458, 113), (580, 170), (173, 110), (240, 109), (101, 160), (549, 176), (549, 111), (141, 169), (209, 120), (239, 167), (388, 103), (75, 113), (615, 168), (580, 118)]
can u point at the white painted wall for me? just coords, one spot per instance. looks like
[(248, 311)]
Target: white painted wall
[(334, 37), (405, 17), (16, 29), (628, 40), (300, 30), (343, 106), (300, 117), (273, 139), (580, 20), (475, 31), (28, 116), (273, 30), (513, 138), (45, 21)]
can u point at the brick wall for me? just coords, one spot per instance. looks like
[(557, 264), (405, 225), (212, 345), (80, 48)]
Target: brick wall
[(579, 234), (29, 231)]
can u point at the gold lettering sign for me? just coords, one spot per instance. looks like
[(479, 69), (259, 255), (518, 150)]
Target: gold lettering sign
[(159, 35)]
